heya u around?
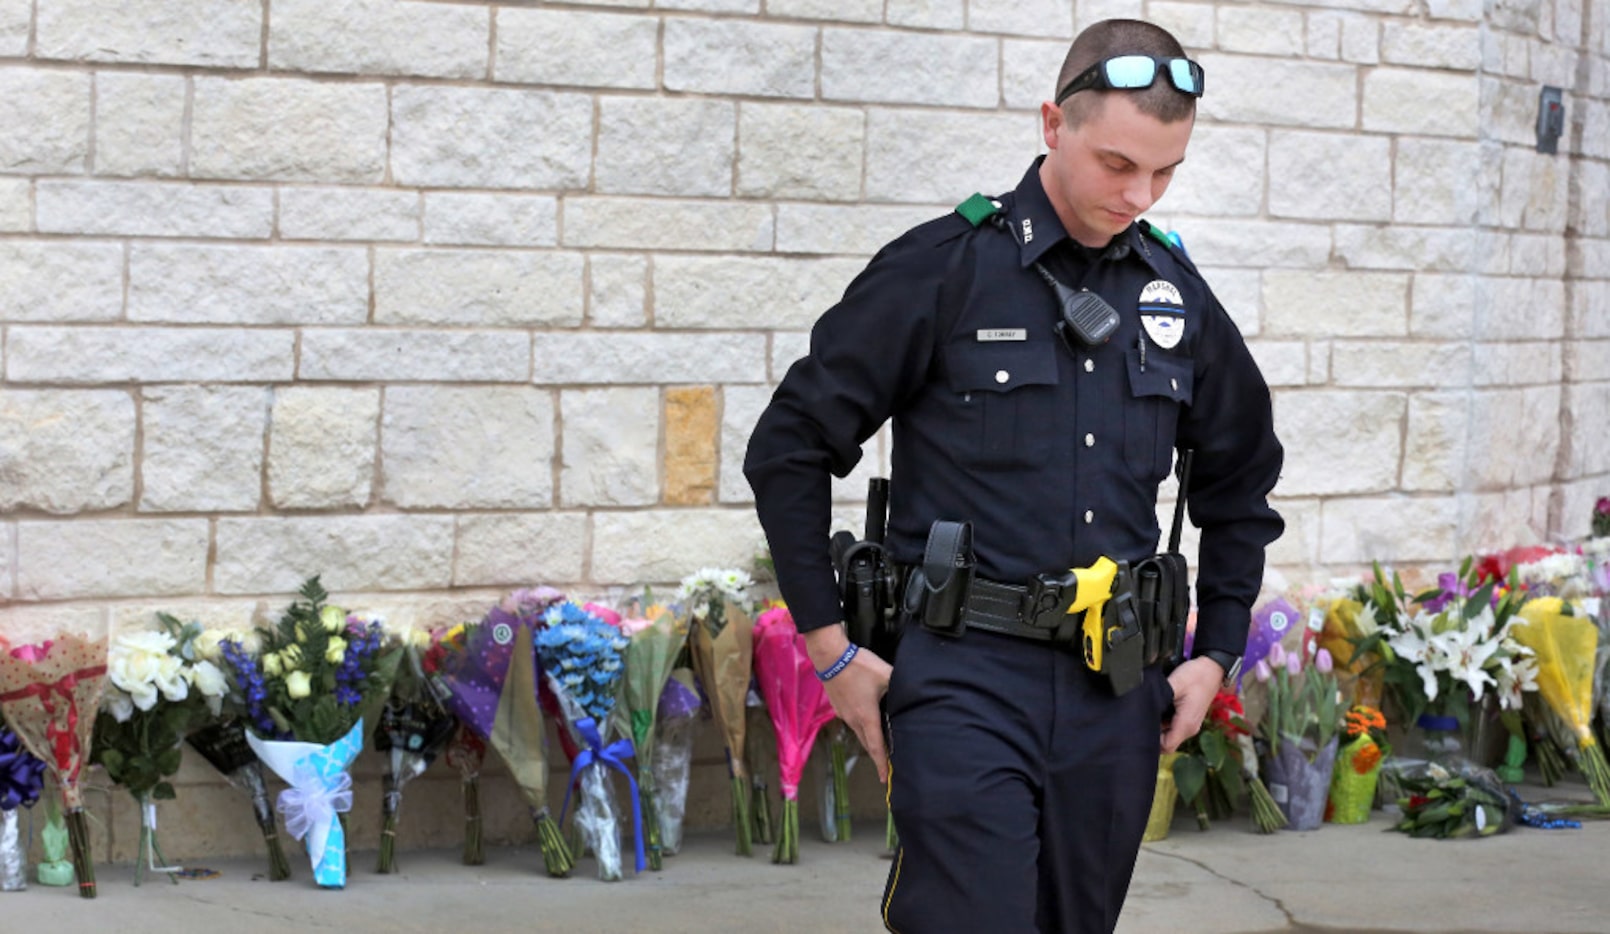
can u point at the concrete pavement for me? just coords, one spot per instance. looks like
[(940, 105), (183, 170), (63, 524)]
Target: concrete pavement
[(1226, 880)]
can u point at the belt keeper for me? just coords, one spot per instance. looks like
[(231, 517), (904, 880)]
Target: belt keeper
[(838, 667)]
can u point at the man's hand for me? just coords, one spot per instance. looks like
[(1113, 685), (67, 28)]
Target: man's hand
[(1195, 683), (855, 691)]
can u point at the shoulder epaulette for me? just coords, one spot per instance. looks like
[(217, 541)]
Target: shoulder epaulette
[(978, 209)]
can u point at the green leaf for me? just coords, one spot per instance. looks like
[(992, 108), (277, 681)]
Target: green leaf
[(167, 761), (1214, 749), (163, 792), (1189, 776), (111, 760)]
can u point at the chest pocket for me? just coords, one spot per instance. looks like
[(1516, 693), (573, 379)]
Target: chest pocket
[(1157, 393), (1006, 400)]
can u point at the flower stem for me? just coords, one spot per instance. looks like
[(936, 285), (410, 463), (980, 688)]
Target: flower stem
[(279, 868), (390, 801), (556, 856), (891, 837), (474, 852), (740, 815), (1596, 770), (787, 849), (1266, 814), (651, 822), (841, 785), (760, 812), (83, 861)]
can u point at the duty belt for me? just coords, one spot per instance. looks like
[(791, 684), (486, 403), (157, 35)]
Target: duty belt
[(1028, 612)]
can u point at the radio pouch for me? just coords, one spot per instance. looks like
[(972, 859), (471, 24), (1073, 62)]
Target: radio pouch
[(947, 573)]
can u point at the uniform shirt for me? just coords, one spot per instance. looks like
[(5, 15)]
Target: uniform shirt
[(1055, 455)]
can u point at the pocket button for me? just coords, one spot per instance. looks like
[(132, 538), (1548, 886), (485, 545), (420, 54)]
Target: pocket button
[(1002, 376)]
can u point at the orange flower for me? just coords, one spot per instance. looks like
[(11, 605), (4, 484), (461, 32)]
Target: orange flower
[(1367, 758)]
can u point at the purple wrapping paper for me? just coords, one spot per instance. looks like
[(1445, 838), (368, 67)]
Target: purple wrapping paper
[(475, 678), (1272, 621), (1300, 787)]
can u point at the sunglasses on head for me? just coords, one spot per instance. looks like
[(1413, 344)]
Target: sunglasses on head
[(1129, 72)]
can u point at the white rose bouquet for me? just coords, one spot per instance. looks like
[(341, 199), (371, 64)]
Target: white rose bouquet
[(159, 690)]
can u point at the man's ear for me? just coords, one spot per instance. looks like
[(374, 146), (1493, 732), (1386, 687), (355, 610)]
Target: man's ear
[(1050, 122)]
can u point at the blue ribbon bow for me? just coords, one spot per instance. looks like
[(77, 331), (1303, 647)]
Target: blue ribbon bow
[(21, 775), (597, 753)]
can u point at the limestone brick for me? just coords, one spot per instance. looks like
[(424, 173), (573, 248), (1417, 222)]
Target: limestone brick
[(1589, 449), (16, 205), (344, 213), (148, 355), (1298, 547), (740, 293), (1021, 17), (925, 14), (1509, 111), (601, 50), (1240, 291), (1324, 36), (322, 445), (288, 129), (1514, 436), (379, 37), (1467, 10), (88, 558), (1094, 11), (667, 224), (948, 70), (139, 124), (1591, 220), (1257, 243), (1588, 361), (1442, 305), (733, 56), (1389, 529), (1435, 444), (202, 448), (1534, 191), (691, 445), (66, 451), (1431, 249), (491, 219), (439, 356), (189, 283), (611, 446), (154, 209), (1223, 175), (648, 358), (461, 447), (998, 148), (786, 348), (1284, 363), (1432, 182), (1281, 93), (1330, 176), (519, 549), (740, 410), (690, 151), (275, 554), (709, 6), (1336, 304), (461, 137), (1517, 364), (1029, 70), (1516, 306), (46, 116), (1191, 23), (1430, 103), (1577, 504), (1431, 46), (211, 33), (1362, 430), (798, 151), (1260, 31), (669, 544), (1590, 315), (1392, 364), (59, 280), (478, 288), (844, 11), (15, 22), (851, 230), (618, 287)]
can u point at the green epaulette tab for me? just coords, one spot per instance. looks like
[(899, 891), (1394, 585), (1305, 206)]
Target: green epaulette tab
[(978, 209), (1156, 234)]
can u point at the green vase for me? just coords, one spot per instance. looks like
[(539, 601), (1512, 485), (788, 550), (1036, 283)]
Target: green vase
[(1352, 787)]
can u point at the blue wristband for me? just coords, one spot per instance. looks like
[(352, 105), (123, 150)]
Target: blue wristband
[(839, 666)]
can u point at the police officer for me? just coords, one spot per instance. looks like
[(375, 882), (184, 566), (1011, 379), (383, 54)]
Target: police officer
[(1020, 782)]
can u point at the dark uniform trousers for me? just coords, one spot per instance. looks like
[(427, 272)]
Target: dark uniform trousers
[(1020, 786)]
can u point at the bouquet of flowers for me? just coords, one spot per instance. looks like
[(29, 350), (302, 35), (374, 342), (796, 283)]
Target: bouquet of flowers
[(1211, 768), (223, 743), (413, 728), (50, 690), (467, 753), (656, 642), (676, 722), (799, 709), (1447, 800), (1352, 787), (582, 657), (722, 636), (836, 812), (22, 777), (160, 691), (1299, 726), (304, 698), (1565, 648), (487, 671)]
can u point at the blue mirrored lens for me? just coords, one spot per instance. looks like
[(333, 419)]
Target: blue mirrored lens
[(1131, 71), (1180, 71)]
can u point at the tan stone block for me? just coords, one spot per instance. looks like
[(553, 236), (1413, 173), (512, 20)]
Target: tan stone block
[(322, 446), (1361, 431), (1392, 529), (519, 549), (1436, 441), (665, 545), (90, 558), (611, 446), (690, 445), (852, 230), (1297, 549), (1361, 304)]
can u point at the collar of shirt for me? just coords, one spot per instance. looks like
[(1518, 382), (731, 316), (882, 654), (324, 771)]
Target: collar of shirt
[(1030, 204)]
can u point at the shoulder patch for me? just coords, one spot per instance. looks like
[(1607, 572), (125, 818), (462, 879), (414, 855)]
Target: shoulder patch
[(978, 209)]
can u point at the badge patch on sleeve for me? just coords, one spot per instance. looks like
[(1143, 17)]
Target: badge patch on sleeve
[(1162, 313)]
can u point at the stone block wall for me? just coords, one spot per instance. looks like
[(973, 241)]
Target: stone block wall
[(443, 298)]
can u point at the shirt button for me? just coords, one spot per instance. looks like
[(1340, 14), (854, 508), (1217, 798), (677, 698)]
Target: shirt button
[(1090, 365), (1090, 441), (1002, 376), (1090, 516), (1174, 384)]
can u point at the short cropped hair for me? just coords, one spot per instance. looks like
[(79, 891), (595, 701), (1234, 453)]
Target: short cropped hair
[(1112, 37)]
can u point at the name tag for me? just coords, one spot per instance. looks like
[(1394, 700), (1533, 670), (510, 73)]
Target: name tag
[(1003, 334)]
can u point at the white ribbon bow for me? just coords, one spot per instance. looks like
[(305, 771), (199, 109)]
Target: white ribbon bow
[(311, 803)]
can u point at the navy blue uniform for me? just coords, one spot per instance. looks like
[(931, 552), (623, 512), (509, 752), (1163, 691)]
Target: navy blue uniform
[(1016, 773)]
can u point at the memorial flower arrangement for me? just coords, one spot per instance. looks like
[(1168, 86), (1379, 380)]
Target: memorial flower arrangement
[(656, 641), (721, 635), (1358, 766), (413, 729), (1565, 647), (799, 709), (582, 658), (1299, 727), (1214, 768), (160, 691), (303, 698), (22, 778)]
